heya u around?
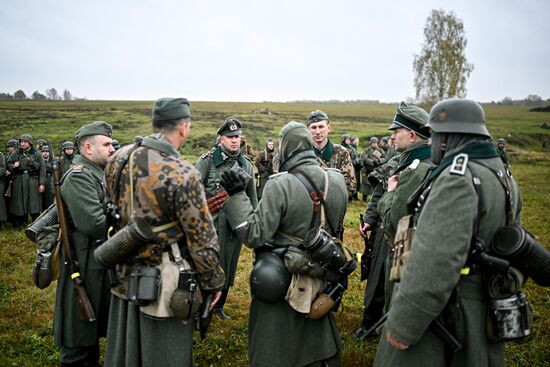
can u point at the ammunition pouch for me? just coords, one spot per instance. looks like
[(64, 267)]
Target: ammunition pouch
[(329, 252), (117, 248), (215, 203), (516, 245), (402, 247), (509, 318)]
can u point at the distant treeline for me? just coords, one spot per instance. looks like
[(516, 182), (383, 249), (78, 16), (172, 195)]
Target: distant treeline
[(530, 100), (50, 94), (351, 101)]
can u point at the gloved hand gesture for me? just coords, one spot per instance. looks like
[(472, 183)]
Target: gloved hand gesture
[(233, 182)]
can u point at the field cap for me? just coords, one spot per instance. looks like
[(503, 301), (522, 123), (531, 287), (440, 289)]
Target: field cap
[(230, 127), (171, 109), (95, 128), (316, 116), (412, 118)]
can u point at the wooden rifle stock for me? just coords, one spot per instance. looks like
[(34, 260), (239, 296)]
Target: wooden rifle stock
[(86, 310)]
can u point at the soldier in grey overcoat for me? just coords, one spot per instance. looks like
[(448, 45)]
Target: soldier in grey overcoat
[(411, 140), (278, 335), (27, 166), (467, 187), (3, 174), (82, 193), (227, 155)]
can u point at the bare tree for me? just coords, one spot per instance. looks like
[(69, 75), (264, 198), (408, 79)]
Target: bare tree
[(441, 69), (52, 94), (67, 96)]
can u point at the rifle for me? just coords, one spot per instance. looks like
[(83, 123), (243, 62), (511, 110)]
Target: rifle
[(436, 326), (368, 254), (86, 309)]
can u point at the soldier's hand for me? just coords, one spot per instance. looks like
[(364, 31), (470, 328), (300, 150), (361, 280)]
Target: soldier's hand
[(41, 188), (233, 182), (363, 229), (217, 297), (394, 342), (16, 164), (392, 183)]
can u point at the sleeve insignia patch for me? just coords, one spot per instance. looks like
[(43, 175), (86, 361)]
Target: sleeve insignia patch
[(458, 167)]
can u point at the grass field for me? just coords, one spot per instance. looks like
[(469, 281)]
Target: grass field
[(26, 337)]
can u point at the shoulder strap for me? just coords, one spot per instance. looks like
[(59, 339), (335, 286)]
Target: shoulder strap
[(318, 199), (208, 168)]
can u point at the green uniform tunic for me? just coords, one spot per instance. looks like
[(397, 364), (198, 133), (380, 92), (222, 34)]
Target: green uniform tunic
[(3, 169), (211, 165), (413, 168), (48, 194), (439, 251), (31, 173), (370, 159), (277, 334), (82, 193)]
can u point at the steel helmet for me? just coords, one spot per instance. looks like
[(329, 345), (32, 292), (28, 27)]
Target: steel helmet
[(461, 116), (269, 280)]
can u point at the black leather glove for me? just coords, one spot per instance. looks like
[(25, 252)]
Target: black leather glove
[(233, 182)]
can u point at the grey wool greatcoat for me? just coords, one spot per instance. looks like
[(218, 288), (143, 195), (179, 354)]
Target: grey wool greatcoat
[(3, 211), (82, 193), (211, 165), (439, 251), (277, 334), (31, 173)]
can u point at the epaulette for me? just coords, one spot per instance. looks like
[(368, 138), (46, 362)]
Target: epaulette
[(277, 174), (77, 167), (206, 155), (247, 158), (334, 169), (458, 167), (414, 164)]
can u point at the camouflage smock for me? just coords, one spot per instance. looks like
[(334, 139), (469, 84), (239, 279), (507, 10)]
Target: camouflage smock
[(338, 157), (167, 189), (370, 159)]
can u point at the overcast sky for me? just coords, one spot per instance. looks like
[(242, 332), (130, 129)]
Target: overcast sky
[(263, 50)]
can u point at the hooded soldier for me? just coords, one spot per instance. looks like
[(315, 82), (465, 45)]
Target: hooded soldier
[(283, 218)]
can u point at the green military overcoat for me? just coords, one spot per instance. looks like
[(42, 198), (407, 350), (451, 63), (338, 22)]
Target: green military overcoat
[(82, 193), (28, 176), (413, 167), (211, 165), (277, 334), (3, 169), (439, 252)]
